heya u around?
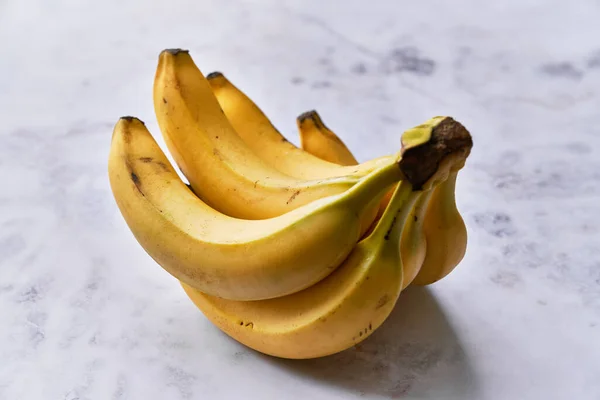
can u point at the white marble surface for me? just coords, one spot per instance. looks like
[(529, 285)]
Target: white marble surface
[(86, 314)]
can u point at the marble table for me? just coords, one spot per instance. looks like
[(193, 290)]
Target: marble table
[(86, 314)]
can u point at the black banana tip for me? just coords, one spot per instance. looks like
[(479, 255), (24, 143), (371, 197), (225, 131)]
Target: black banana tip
[(175, 52), (311, 115), (214, 75), (129, 118)]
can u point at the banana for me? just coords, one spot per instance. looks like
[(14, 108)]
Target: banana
[(413, 244), (317, 139), (445, 232), (229, 257), (263, 138), (222, 170), (347, 306), (331, 316)]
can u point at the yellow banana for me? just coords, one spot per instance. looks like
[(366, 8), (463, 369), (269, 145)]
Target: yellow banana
[(317, 139), (445, 232), (225, 256), (263, 138), (347, 306), (334, 314), (413, 245), (222, 170), (443, 242)]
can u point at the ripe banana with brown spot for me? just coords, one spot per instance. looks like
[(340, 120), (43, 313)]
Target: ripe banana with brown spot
[(222, 170), (347, 306), (264, 139), (444, 240), (326, 143), (224, 256)]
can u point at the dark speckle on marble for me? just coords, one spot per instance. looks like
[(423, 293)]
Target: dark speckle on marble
[(359, 68), (497, 224), (297, 80), (578, 148), (524, 253), (321, 84), (557, 171), (182, 380), (506, 279), (30, 295), (561, 70), (239, 357), (506, 179), (594, 61), (120, 392), (408, 59)]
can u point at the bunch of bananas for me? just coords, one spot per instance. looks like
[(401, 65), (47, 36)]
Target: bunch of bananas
[(296, 253)]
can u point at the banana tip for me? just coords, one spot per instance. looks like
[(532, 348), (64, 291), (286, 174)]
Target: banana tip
[(174, 52), (310, 115), (129, 118), (215, 75)]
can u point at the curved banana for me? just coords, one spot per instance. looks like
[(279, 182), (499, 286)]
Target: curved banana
[(263, 138), (413, 244), (224, 256), (221, 168), (317, 139), (347, 306), (334, 314), (445, 232)]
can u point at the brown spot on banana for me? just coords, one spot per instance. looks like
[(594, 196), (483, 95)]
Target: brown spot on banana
[(163, 166), (389, 231), (134, 177), (383, 300), (293, 196), (218, 154)]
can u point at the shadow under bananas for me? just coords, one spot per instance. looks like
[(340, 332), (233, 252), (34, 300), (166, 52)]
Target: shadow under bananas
[(414, 354)]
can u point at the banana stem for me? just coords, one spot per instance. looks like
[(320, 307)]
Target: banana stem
[(422, 156), (389, 227), (373, 186)]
